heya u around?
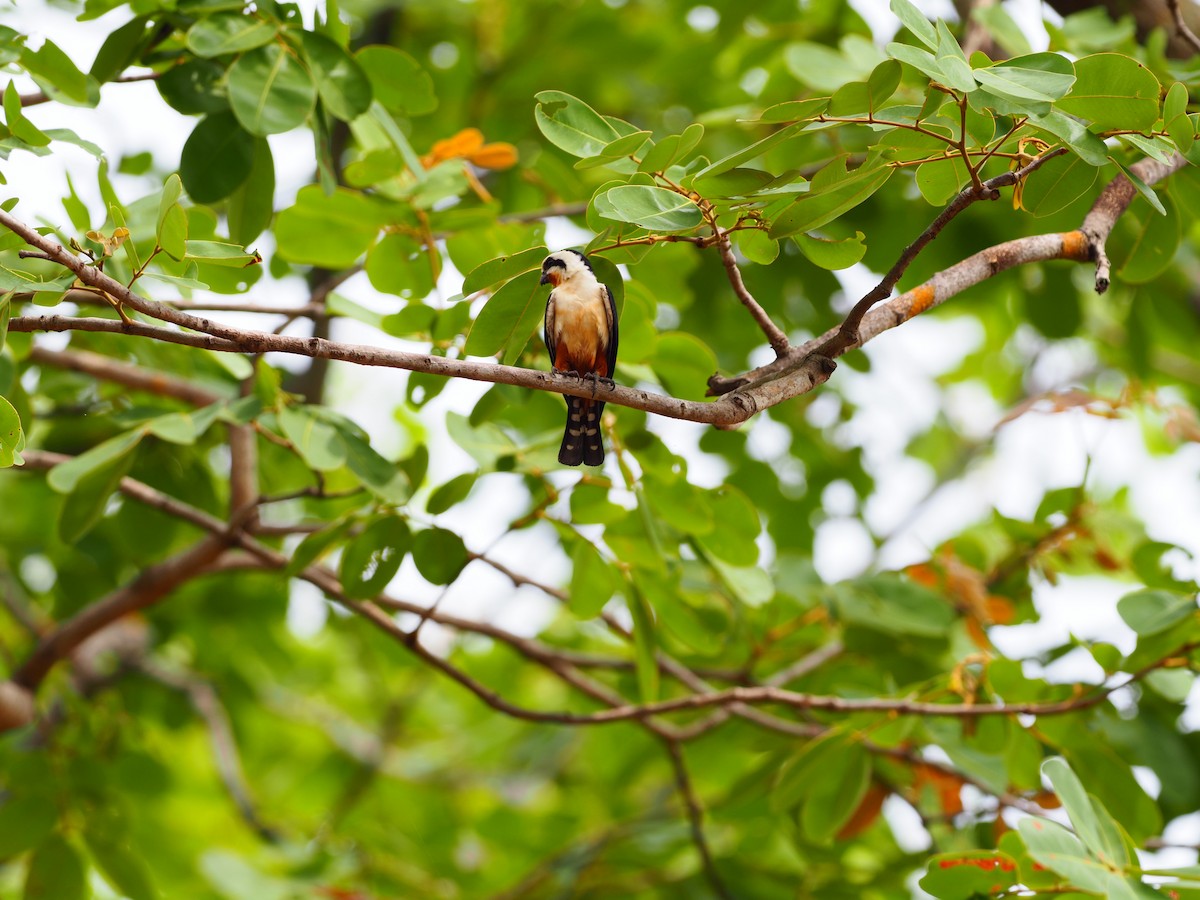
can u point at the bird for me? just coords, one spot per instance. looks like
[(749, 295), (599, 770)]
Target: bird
[(581, 335)]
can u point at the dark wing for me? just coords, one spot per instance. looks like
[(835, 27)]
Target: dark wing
[(610, 309), (548, 328)]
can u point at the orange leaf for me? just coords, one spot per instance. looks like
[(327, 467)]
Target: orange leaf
[(494, 156), (462, 144), (867, 812), (947, 785)]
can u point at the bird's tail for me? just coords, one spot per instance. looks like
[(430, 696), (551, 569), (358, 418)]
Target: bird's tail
[(581, 441)]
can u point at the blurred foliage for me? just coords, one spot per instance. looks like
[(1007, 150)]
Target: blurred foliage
[(205, 747)]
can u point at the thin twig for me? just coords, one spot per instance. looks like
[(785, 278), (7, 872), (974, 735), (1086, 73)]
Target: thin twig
[(695, 814), (777, 339), (1181, 26), (220, 731)]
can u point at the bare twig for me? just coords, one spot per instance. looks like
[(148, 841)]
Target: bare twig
[(777, 339), (38, 97), (695, 814), (1181, 26), (229, 764)]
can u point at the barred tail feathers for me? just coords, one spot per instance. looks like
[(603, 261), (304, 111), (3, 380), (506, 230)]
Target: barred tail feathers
[(581, 441)]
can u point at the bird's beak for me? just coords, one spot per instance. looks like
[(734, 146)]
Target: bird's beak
[(549, 277)]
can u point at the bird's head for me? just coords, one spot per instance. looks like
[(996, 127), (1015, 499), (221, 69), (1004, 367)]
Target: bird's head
[(564, 265)]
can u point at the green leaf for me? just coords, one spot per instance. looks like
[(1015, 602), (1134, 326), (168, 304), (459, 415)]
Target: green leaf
[(329, 230), (503, 268), (837, 793), (316, 440), (1113, 91), (219, 253), (227, 33), (593, 581), (822, 204), (830, 254), (21, 127), (56, 872), (57, 73), (194, 87), (794, 110), (956, 72), (64, 477), (571, 125), (372, 559), (85, 505), (755, 150), (342, 84), (171, 231), (398, 81), (270, 91), (683, 364), (940, 180), (123, 867), (25, 821), (1043, 77), (676, 146), (882, 83), (315, 546), (1147, 241), (508, 318), (119, 50), (645, 642), (1056, 848), (12, 438), (796, 779), (756, 246), (894, 605), (1176, 120), (1100, 838), (1151, 611), (252, 205), (921, 60), (969, 874), (440, 555), (216, 158), (400, 265), (654, 208), (1058, 184), (1075, 135), (5, 316), (450, 494), (916, 22), (1001, 26)]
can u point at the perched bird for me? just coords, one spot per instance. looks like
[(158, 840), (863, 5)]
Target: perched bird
[(581, 335)]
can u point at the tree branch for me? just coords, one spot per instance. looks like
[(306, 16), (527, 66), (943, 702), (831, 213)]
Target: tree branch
[(208, 706), (777, 339), (695, 814), (105, 367), (1181, 26), (847, 334), (150, 586), (1112, 202)]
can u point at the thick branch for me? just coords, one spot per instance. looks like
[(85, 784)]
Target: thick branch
[(1112, 202), (153, 584), (847, 335), (131, 376)]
